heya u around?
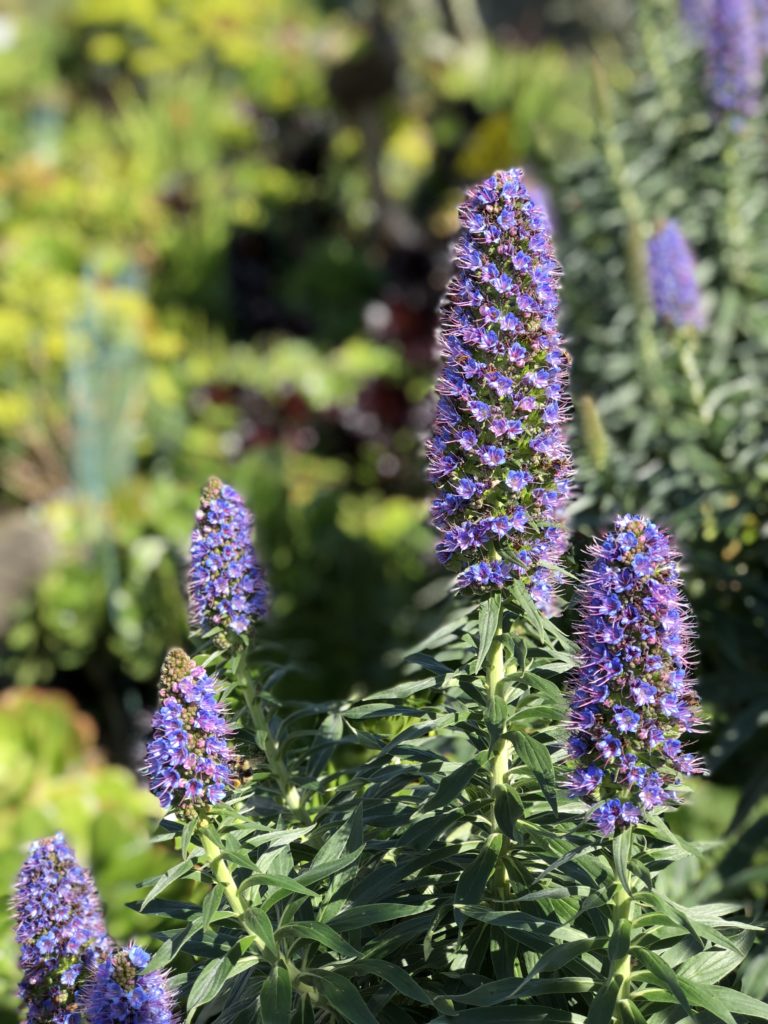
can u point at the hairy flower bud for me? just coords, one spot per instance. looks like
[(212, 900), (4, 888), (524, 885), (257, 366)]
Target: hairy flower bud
[(498, 453), (189, 759), (120, 994), (734, 59), (633, 700), (672, 274), (60, 931), (227, 586)]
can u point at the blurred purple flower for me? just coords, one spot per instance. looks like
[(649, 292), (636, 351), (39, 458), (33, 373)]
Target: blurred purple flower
[(120, 994), (672, 273), (734, 59), (60, 931)]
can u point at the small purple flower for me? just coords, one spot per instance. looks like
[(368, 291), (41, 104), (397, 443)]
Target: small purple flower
[(120, 994), (672, 273), (498, 452), (632, 700), (227, 586), (60, 931), (189, 759), (734, 59)]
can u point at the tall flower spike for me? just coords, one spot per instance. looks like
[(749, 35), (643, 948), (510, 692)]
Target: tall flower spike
[(633, 700), (189, 759), (734, 59), (120, 994), (227, 586), (60, 931), (498, 453), (672, 274)]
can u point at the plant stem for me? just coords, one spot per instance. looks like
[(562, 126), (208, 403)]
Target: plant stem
[(621, 968), (221, 872), (500, 756), (223, 875), (494, 678)]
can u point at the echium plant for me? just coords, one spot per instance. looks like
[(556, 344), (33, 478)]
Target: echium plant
[(498, 451), (189, 758), (227, 587), (60, 931), (633, 700), (734, 59), (121, 994), (672, 272), (412, 856)]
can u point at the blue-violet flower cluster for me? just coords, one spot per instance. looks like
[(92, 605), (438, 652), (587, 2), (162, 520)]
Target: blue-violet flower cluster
[(734, 59), (120, 994), (672, 274), (227, 585), (60, 931), (498, 453), (189, 760), (633, 699)]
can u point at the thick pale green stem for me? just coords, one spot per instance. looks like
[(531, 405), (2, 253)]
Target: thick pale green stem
[(221, 873), (495, 670), (494, 679), (223, 876), (621, 968)]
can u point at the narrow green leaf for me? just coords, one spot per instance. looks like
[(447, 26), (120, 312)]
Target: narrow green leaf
[(740, 1002), (211, 904), (342, 996), (474, 877), (536, 756), (322, 934), (663, 974), (710, 966), (601, 1010), (395, 976), (176, 872), (451, 785), (276, 997), (507, 809), (374, 913), (489, 614), (208, 983), (276, 881), (257, 923), (317, 873), (622, 852)]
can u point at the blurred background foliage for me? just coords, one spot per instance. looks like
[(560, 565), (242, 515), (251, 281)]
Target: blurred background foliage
[(224, 226)]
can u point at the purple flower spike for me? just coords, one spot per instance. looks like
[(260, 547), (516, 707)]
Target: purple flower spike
[(60, 931), (227, 586), (189, 760), (734, 59), (120, 994), (672, 274), (498, 452), (632, 700)]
